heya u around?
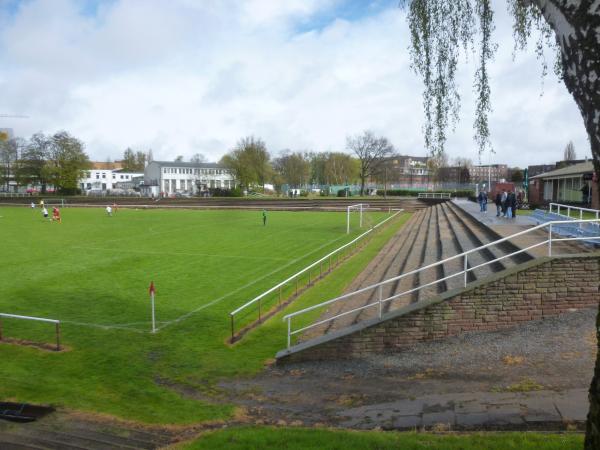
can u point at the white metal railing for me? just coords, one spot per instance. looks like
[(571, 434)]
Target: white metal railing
[(464, 272), (279, 286), (570, 208), (434, 195), (37, 319)]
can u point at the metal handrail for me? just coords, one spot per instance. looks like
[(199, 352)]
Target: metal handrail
[(259, 297), (434, 195), (569, 208), (464, 272), (37, 319)]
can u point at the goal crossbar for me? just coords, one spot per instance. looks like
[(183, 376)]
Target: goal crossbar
[(36, 319), (359, 207)]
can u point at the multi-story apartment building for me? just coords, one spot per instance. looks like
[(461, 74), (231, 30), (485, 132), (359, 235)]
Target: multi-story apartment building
[(404, 171), (171, 177), (493, 172)]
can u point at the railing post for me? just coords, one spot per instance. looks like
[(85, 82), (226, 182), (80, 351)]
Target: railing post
[(380, 301), (550, 241), (57, 336), (465, 269), (289, 337)]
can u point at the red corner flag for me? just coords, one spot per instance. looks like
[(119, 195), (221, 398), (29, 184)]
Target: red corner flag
[(151, 289)]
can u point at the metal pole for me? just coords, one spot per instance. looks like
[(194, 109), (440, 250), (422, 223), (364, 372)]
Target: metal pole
[(380, 298), (259, 309), (57, 336), (348, 220), (153, 316), (330, 264), (321, 270), (550, 241), (279, 295), (289, 340), (296, 286), (232, 328), (465, 269), (361, 212)]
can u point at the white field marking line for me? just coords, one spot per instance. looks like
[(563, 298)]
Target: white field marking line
[(219, 299), (179, 253), (103, 327)]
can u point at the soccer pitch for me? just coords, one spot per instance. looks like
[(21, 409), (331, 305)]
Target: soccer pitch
[(92, 272)]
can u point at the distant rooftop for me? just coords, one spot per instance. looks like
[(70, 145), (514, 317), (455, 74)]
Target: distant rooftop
[(575, 169), (189, 164), (106, 165)]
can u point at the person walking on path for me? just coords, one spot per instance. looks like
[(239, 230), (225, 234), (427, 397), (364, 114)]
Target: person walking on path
[(264, 217), (482, 199), (513, 205), (503, 202), (498, 202)]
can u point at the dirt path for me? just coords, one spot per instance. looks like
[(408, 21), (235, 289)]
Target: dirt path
[(556, 355)]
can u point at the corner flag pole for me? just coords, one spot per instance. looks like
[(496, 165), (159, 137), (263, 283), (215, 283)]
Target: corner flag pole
[(152, 291)]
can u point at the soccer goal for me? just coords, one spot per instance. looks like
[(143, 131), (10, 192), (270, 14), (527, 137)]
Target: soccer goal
[(359, 209)]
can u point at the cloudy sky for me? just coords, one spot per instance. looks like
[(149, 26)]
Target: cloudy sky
[(194, 76)]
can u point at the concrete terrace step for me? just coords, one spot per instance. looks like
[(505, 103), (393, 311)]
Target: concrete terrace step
[(436, 233), (385, 265)]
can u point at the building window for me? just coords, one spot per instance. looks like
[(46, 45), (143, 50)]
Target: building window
[(97, 176), (103, 176)]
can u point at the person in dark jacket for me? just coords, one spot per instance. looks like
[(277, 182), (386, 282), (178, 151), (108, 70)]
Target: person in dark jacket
[(513, 205), (498, 202), (482, 199)]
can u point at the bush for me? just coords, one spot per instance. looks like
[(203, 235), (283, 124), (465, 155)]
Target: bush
[(220, 192), (344, 193)]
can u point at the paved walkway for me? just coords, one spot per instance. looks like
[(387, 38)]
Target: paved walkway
[(506, 227), (474, 410)]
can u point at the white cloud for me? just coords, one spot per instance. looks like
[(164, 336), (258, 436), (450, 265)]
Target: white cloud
[(183, 77)]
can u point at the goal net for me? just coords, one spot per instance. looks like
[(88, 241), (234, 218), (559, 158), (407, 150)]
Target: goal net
[(358, 217)]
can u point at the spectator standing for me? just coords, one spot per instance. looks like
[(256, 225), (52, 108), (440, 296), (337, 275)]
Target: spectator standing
[(498, 202)]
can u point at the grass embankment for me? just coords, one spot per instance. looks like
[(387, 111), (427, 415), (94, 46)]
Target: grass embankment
[(93, 271), (254, 438)]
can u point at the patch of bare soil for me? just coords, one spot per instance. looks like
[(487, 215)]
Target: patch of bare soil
[(46, 346), (553, 354)]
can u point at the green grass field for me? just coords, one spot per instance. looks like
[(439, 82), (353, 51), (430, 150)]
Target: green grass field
[(92, 272), (254, 438)]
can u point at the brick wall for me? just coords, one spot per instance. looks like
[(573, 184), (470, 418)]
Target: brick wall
[(534, 290)]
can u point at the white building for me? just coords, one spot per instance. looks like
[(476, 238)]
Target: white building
[(105, 177), (171, 177)]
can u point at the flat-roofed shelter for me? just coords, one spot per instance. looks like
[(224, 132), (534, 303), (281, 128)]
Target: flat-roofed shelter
[(572, 184)]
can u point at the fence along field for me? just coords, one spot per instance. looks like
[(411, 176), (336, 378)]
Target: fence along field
[(93, 270)]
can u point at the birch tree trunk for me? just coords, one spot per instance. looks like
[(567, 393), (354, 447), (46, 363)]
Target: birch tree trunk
[(577, 27)]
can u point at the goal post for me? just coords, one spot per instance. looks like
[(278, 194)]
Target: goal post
[(359, 207)]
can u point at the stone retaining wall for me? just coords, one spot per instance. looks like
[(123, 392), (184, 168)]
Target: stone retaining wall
[(541, 288)]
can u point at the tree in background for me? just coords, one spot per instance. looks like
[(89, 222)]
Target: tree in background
[(439, 29), (179, 158), (149, 156), (198, 158), (134, 161), (33, 161), (517, 175), (66, 162), (569, 152), (341, 168), (9, 161), (370, 151), (249, 162), (293, 168)]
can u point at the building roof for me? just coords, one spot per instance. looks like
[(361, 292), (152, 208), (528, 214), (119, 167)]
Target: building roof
[(106, 165), (575, 169), (189, 164)]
